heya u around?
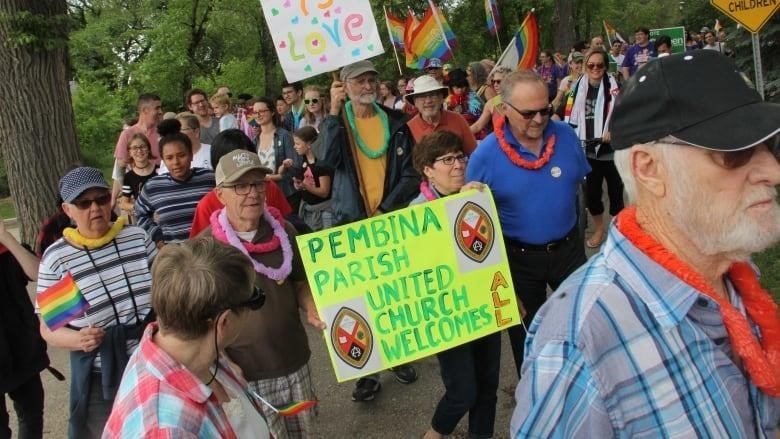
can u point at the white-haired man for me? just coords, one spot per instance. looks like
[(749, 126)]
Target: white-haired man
[(667, 332)]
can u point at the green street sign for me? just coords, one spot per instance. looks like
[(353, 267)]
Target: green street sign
[(677, 34)]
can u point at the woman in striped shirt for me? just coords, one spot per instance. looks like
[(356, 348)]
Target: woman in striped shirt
[(167, 202)]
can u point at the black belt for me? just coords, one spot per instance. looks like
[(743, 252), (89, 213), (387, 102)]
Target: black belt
[(548, 247)]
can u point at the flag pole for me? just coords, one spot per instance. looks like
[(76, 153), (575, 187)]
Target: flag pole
[(495, 22), (435, 11), (390, 34)]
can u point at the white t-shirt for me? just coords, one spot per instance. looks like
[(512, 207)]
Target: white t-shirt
[(201, 159)]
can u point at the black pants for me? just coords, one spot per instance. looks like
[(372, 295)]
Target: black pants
[(532, 271), (470, 375), (601, 170), (28, 404)]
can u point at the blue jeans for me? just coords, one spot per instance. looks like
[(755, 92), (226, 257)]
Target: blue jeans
[(470, 375)]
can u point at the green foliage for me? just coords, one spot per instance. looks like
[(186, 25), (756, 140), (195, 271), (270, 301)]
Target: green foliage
[(99, 119), (38, 32), (769, 264)]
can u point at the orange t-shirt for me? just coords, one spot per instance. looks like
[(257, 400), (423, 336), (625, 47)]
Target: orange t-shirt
[(450, 121)]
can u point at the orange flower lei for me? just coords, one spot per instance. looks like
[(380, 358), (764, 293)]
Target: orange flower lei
[(513, 156), (761, 360)]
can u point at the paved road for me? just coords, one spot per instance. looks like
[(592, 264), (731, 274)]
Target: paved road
[(399, 410)]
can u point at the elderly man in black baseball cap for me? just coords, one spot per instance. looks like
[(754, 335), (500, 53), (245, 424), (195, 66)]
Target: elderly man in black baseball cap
[(667, 332)]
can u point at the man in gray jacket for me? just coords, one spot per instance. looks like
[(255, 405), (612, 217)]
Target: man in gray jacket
[(369, 148)]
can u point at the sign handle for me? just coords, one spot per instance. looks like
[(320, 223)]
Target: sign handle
[(757, 64)]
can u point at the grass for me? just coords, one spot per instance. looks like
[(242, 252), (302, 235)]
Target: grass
[(7, 208)]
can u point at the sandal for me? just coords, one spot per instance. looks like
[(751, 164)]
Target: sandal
[(366, 388)]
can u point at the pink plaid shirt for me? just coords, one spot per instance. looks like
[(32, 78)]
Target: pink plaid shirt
[(160, 398)]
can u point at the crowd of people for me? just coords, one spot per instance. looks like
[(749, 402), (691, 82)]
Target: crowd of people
[(195, 289)]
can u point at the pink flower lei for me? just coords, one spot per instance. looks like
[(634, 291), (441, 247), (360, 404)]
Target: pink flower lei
[(221, 229)]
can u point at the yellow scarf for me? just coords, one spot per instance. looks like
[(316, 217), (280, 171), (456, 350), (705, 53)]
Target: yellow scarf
[(75, 237)]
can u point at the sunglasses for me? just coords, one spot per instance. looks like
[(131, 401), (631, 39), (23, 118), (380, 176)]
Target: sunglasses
[(255, 301), (140, 147), (85, 204), (595, 66), (311, 101), (737, 159), (530, 114), (495, 81)]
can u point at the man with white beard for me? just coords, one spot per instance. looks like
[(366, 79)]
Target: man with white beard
[(372, 167), (667, 332)]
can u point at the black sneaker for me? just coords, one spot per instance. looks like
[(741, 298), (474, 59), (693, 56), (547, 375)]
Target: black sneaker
[(405, 374), (366, 388)]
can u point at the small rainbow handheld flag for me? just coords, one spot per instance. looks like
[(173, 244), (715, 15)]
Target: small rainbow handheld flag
[(289, 409), (61, 303), (293, 408)]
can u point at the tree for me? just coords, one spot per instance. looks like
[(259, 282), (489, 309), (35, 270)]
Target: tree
[(37, 129)]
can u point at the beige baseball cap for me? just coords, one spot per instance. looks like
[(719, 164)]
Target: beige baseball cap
[(237, 163)]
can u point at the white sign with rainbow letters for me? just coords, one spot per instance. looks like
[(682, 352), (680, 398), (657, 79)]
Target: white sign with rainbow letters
[(318, 36)]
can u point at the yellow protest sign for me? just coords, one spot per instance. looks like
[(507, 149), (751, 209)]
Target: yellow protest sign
[(410, 283), (752, 14)]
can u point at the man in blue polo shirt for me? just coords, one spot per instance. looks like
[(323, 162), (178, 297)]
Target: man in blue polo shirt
[(533, 166)]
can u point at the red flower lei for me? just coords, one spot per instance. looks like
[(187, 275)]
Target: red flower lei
[(513, 156), (761, 360)]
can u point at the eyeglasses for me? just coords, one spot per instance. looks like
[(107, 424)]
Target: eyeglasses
[(530, 114), (450, 159), (245, 188), (141, 147), (311, 101), (263, 111), (202, 101), (495, 81), (85, 204), (595, 66)]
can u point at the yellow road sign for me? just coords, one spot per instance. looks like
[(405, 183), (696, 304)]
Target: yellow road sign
[(752, 14)]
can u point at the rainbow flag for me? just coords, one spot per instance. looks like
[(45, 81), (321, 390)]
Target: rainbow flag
[(413, 61), (493, 20), (444, 25), (395, 27), (428, 40), (522, 51), (612, 33), (293, 408), (61, 303)]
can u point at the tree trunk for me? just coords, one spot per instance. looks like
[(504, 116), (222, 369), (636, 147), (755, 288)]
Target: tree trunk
[(563, 23), (37, 128)]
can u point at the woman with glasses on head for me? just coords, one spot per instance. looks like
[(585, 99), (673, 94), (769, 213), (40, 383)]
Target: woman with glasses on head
[(103, 268), (166, 205), (313, 107), (469, 371), (591, 101), (485, 119), (178, 382), (275, 149), (139, 154)]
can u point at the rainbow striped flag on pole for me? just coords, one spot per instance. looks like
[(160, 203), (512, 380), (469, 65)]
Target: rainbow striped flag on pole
[(612, 33), (395, 27), (61, 303), (493, 20), (522, 51)]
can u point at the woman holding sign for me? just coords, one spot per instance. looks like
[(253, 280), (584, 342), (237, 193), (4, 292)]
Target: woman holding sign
[(469, 371)]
